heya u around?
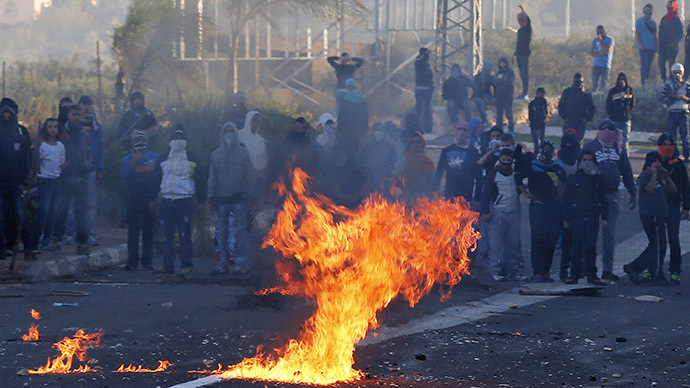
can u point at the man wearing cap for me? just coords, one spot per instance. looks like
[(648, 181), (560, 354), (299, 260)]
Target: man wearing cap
[(676, 96), (613, 163), (138, 117), (138, 171), (459, 163), (424, 88), (94, 128)]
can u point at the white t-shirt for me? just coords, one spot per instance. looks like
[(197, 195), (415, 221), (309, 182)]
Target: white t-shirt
[(50, 158)]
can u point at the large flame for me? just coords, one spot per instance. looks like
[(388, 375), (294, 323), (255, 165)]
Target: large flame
[(33, 334), (353, 263), (162, 365), (69, 348)]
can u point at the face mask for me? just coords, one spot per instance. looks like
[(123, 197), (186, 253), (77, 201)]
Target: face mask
[(504, 164), (493, 143), (588, 167), (546, 155), (378, 136), (579, 84), (329, 129), (666, 151), (506, 148), (139, 147), (229, 138), (178, 145)]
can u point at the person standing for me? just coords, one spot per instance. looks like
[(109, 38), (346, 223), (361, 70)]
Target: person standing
[(670, 35), (251, 138), (687, 49), (181, 178), (655, 187), (613, 163), (538, 110), (576, 107), (522, 51), (51, 160), (345, 68), (503, 82), (230, 186), (353, 119), (602, 51), (678, 203), (568, 154), (137, 117), (459, 164), (424, 88), (481, 91), (94, 129), (456, 92), (645, 37), (378, 157), (584, 201), (545, 184), (138, 171), (676, 96), (620, 106), (415, 169), (63, 108)]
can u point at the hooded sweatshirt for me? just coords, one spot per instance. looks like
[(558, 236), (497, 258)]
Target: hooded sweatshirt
[(231, 174), (504, 80), (679, 174), (672, 87), (15, 151), (181, 175), (576, 104), (620, 103), (254, 143), (482, 82), (612, 163), (326, 139)]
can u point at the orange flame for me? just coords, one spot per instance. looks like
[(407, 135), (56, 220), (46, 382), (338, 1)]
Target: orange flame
[(69, 348), (162, 365), (33, 334), (35, 314), (353, 263)]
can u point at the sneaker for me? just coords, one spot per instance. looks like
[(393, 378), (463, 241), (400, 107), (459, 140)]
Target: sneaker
[(597, 282), (36, 251), (161, 273), (570, 281), (219, 271), (634, 276), (608, 275), (69, 240), (93, 242), (83, 249), (547, 279), (675, 278), (661, 279), (186, 273), (538, 278), (498, 277), (646, 277), (518, 278)]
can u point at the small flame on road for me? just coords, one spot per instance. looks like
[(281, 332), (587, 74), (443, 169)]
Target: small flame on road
[(162, 365), (33, 334), (70, 348), (35, 314)]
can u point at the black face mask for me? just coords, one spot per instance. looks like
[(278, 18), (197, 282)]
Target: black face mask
[(504, 164), (579, 84), (8, 124)]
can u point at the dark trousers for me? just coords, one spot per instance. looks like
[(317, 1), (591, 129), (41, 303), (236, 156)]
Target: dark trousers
[(523, 66), (677, 124), (585, 231), (652, 257), (72, 190), (423, 107), (667, 57), (10, 208), (566, 251), (48, 196), (537, 136), (140, 220), (505, 104), (673, 232), (454, 106), (646, 60), (176, 215), (545, 225)]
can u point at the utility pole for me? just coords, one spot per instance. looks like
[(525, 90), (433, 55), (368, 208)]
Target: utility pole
[(567, 19), (98, 73)]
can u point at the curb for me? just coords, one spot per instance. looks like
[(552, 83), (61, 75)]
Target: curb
[(44, 270)]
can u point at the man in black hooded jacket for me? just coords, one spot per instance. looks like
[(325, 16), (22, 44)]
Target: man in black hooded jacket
[(620, 105), (576, 107)]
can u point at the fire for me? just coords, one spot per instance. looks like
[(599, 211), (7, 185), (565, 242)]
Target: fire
[(69, 348), (33, 334), (35, 314), (353, 263), (162, 365)]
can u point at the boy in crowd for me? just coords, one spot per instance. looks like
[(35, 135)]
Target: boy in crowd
[(538, 110)]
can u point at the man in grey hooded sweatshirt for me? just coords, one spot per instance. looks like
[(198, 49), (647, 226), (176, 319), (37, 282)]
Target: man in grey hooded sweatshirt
[(230, 185)]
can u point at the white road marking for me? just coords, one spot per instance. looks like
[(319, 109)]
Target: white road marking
[(472, 311)]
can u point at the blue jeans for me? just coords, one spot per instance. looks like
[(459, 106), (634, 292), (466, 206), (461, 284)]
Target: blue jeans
[(140, 219), (578, 126), (176, 215), (585, 231), (423, 107), (72, 192), (232, 218), (673, 230), (609, 233), (646, 59), (506, 250), (676, 123), (667, 54), (600, 72), (453, 107), (523, 65), (624, 126), (91, 188), (652, 257), (481, 107), (48, 195), (505, 104)]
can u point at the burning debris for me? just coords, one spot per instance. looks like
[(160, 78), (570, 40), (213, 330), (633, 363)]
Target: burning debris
[(162, 366), (33, 330), (70, 348), (35, 314), (353, 263)]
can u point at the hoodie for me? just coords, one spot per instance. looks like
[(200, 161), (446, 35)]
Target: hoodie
[(576, 104), (15, 151), (504, 80), (424, 77), (679, 174), (482, 82), (620, 103), (231, 175), (255, 143), (180, 183), (613, 164), (584, 196), (77, 151)]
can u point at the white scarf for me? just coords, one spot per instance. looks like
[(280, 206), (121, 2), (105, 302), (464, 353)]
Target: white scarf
[(177, 158), (256, 145)]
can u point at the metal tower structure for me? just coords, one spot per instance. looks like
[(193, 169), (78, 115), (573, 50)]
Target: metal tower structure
[(459, 34)]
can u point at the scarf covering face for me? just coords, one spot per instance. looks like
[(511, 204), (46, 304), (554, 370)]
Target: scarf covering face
[(671, 12), (353, 95), (255, 143), (178, 164), (609, 138), (417, 164), (570, 149)]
